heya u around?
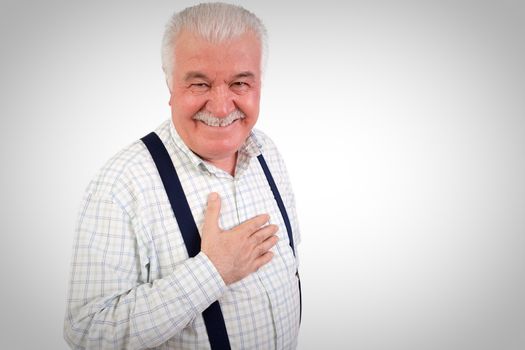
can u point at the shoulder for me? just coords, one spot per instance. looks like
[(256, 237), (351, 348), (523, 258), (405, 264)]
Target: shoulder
[(271, 154), (266, 145), (125, 173)]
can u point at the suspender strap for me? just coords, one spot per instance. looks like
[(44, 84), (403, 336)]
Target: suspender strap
[(175, 193), (278, 199), (280, 204), (213, 319)]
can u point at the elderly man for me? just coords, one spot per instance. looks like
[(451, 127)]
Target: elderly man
[(187, 238)]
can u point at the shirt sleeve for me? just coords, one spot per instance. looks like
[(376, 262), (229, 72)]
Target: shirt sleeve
[(111, 304)]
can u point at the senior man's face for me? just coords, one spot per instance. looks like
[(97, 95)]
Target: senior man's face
[(215, 93)]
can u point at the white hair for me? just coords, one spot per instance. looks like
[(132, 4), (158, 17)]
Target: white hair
[(215, 22)]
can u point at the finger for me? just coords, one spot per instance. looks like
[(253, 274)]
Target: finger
[(262, 260), (211, 217), (250, 226), (263, 233), (265, 246)]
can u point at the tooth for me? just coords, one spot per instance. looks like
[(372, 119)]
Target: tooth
[(218, 122)]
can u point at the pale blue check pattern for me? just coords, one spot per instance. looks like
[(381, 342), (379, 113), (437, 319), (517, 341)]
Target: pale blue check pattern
[(132, 285)]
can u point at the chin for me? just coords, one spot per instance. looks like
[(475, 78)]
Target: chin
[(220, 151)]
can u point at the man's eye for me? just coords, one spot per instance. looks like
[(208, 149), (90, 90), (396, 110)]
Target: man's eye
[(199, 87), (240, 85)]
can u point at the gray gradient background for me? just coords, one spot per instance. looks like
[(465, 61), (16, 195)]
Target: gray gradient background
[(403, 127)]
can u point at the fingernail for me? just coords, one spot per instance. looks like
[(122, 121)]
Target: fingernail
[(213, 196)]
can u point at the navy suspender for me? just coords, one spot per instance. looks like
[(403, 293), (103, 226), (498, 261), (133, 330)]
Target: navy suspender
[(213, 318), (175, 193), (280, 204), (278, 199)]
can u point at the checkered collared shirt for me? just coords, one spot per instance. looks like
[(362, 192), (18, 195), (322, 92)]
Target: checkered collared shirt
[(132, 284)]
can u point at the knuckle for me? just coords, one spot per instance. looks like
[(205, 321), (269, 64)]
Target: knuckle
[(254, 225)]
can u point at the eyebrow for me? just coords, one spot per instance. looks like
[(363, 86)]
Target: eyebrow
[(246, 74), (195, 75), (199, 75)]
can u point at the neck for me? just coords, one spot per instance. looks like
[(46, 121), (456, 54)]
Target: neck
[(227, 164)]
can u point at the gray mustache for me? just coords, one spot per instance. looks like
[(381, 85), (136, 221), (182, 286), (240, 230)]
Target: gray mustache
[(212, 120)]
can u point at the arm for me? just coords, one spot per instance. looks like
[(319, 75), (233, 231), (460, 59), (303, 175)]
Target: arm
[(111, 304)]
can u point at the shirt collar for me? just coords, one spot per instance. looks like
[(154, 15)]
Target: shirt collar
[(249, 149)]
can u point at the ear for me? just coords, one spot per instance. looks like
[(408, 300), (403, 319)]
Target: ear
[(171, 95), (171, 99)]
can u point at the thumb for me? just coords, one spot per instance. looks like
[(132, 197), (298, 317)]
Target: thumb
[(211, 217)]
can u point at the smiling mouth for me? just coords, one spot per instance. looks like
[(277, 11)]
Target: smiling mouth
[(210, 120), (216, 125)]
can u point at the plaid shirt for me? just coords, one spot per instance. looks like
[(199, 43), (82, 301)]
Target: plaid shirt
[(132, 284)]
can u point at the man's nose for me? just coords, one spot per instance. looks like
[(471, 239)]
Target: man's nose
[(220, 103)]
